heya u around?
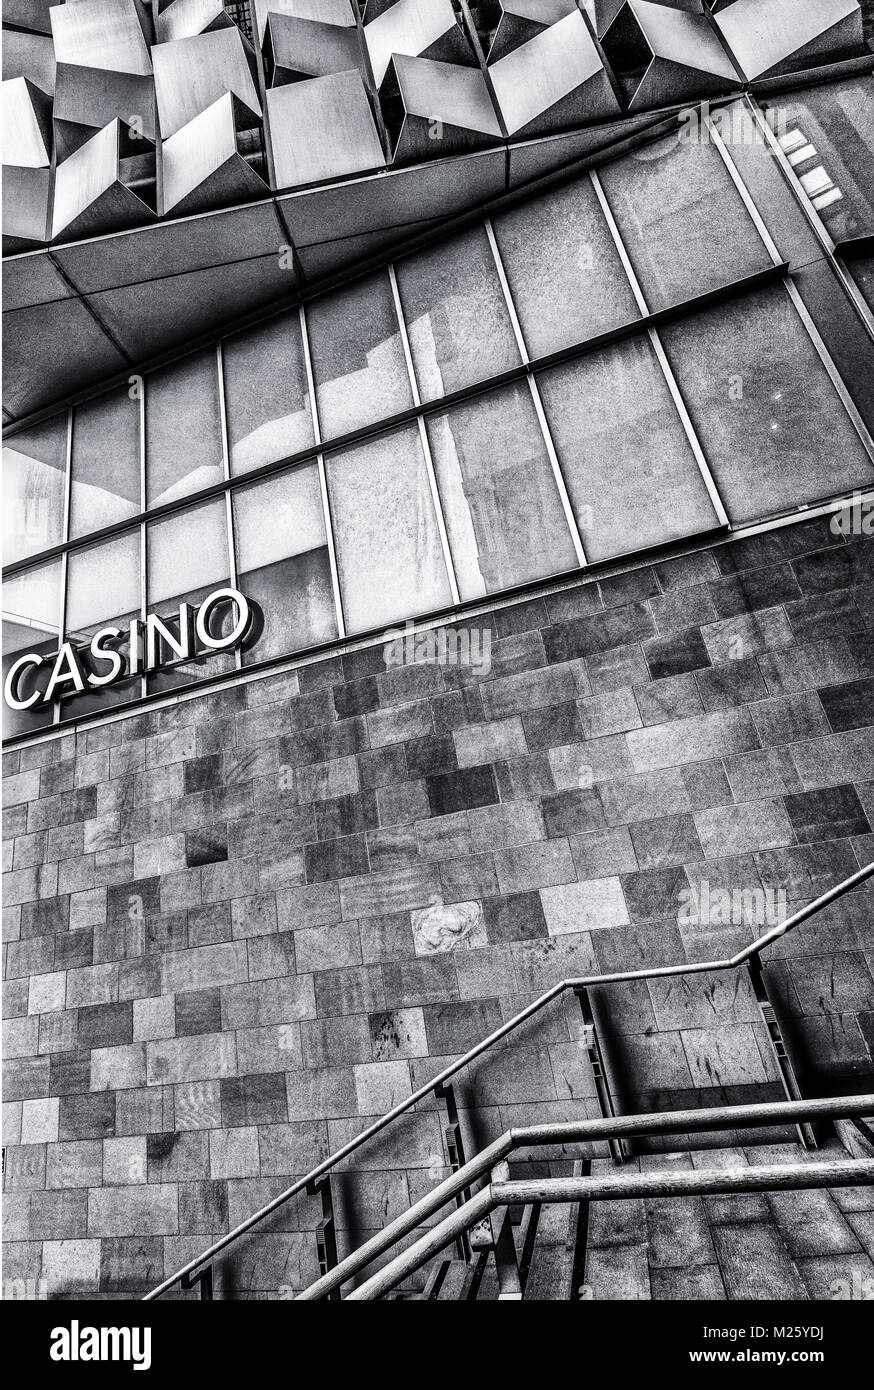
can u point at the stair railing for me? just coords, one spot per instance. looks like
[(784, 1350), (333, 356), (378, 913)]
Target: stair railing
[(500, 1193), (183, 1276)]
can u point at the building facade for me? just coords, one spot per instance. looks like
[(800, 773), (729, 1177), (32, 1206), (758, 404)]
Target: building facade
[(439, 485)]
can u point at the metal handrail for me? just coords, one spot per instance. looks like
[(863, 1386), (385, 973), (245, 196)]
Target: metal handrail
[(762, 1115), (611, 1187), (583, 982)]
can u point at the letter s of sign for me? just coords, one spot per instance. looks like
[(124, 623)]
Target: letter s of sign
[(10, 688), (102, 653)]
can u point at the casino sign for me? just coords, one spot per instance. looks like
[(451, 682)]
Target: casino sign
[(225, 619)]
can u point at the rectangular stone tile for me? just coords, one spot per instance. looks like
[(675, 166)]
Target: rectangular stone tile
[(351, 990), (87, 1117), (572, 812), (403, 803), (752, 825), (806, 871), (515, 917), (849, 706), (691, 740), (610, 713), (534, 866), (603, 853), (824, 615), (326, 948), (118, 1068), (613, 669), (676, 654), (789, 719), (580, 907), (268, 1001), (275, 1047), (515, 694), (424, 980), (399, 723), (827, 814), (291, 1148), (373, 895), (321, 1093), (683, 608), (675, 697), (203, 967), (599, 633), (826, 762), (755, 1263), (665, 841), (331, 1042), (732, 639), (644, 796), (600, 759), (206, 1057), (460, 791), (398, 1033), (133, 1211), (654, 894), (476, 744)]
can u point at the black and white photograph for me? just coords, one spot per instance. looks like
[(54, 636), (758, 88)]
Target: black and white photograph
[(438, 677)]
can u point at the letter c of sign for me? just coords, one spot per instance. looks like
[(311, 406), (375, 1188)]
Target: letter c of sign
[(241, 627), (10, 689)]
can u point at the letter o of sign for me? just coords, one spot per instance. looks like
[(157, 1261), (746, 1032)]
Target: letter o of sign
[(240, 628)]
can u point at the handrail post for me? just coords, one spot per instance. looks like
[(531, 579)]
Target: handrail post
[(456, 1155), (806, 1135), (599, 1072), (202, 1279), (326, 1232), (494, 1234)]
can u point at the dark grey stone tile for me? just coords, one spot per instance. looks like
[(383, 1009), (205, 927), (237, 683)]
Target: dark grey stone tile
[(832, 813), (849, 706)]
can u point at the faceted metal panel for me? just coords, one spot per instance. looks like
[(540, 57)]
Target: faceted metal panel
[(322, 129), (88, 98), (556, 79), (296, 48), (25, 209), (26, 136), (93, 175), (416, 27), (191, 74), (183, 18), (774, 36), (202, 163), (31, 56), (101, 34), (505, 24), (427, 104), (337, 12), (662, 55)]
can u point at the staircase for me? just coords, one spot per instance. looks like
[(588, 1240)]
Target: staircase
[(674, 1205)]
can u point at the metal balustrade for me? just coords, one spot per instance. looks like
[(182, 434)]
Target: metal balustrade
[(610, 1127)]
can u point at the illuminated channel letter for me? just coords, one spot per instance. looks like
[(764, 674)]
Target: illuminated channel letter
[(241, 627), (67, 668), (10, 688), (101, 653), (157, 629)]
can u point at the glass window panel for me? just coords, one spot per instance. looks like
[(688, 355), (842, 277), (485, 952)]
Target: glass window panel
[(103, 589), (503, 512), (770, 422), (566, 276), (388, 546), (187, 559), (457, 319), (828, 135), (266, 395), (629, 468), (183, 430), (282, 558), (682, 219), (34, 468), (31, 605), (358, 358), (105, 462)]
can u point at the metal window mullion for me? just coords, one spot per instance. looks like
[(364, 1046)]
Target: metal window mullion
[(144, 546), (545, 431), (65, 532), (826, 358), (226, 474), (322, 472), (745, 195), (448, 560), (661, 357)]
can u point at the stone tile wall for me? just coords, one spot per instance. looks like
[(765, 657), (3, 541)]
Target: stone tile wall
[(237, 928)]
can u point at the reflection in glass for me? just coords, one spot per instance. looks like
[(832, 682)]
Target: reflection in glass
[(357, 355), (282, 557), (266, 396), (183, 430), (31, 604), (187, 559), (103, 590), (388, 546), (456, 315), (770, 422), (629, 468), (566, 276), (34, 468), (503, 512), (105, 462), (682, 219), (827, 134)]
